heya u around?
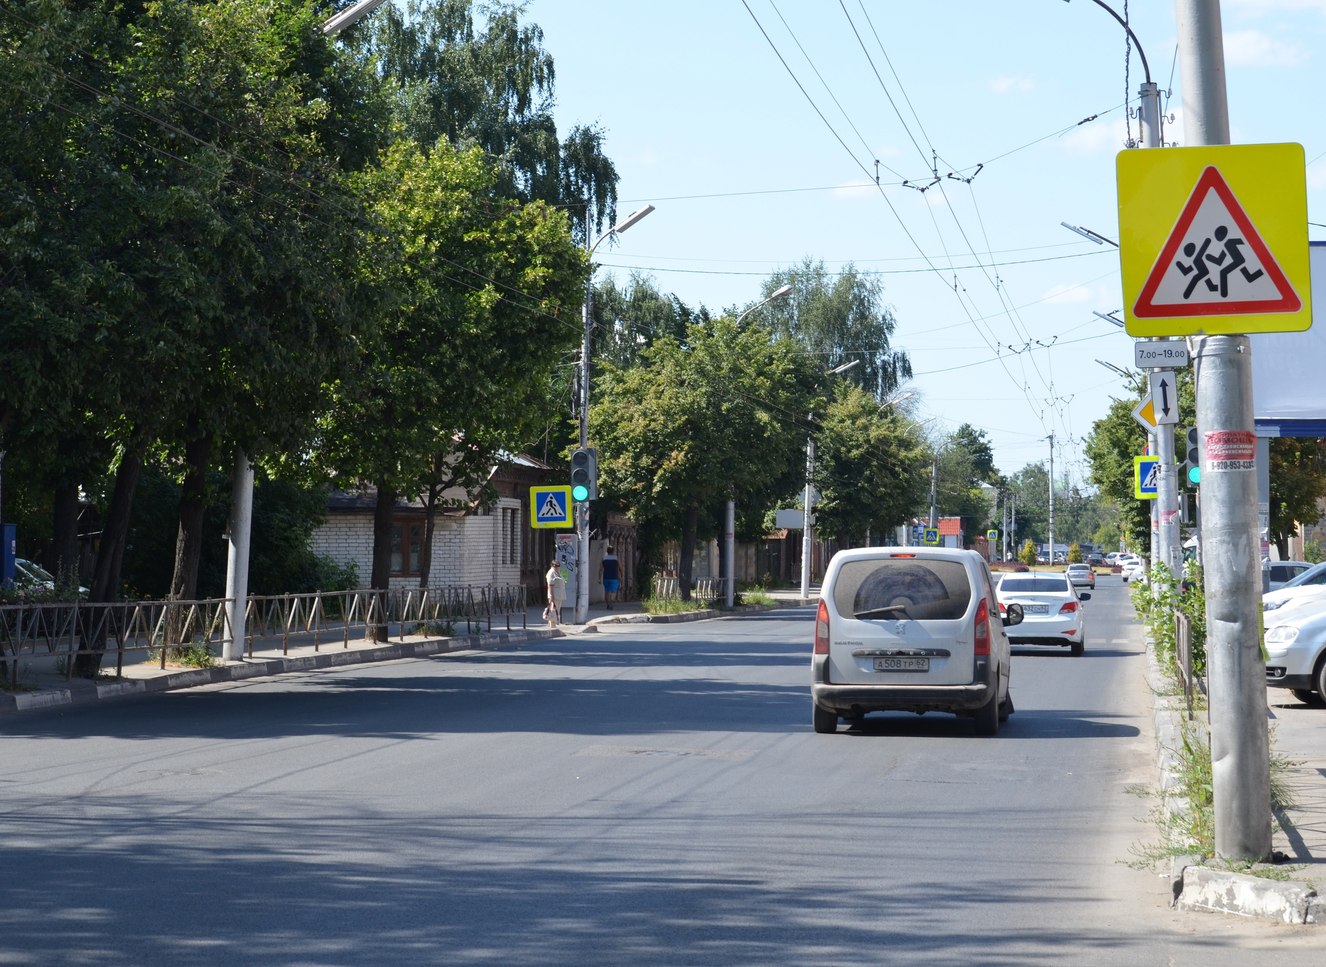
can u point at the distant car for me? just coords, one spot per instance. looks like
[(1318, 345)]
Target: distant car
[(1081, 576), (1131, 567), (1282, 572), (1296, 651), (911, 629), (1052, 612), (1095, 560)]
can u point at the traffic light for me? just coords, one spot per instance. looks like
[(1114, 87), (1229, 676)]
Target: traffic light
[(1192, 463), (584, 474)]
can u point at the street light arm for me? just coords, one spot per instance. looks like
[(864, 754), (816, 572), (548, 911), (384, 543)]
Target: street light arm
[(1146, 69), (782, 291), (349, 17)]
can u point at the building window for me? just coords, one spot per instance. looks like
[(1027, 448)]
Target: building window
[(407, 549)]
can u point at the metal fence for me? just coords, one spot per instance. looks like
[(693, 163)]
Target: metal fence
[(709, 590), (1183, 656), (67, 630)]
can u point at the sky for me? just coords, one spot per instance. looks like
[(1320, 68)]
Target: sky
[(758, 128)]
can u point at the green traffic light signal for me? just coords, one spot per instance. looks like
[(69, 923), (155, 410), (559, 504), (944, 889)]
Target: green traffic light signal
[(1194, 460), (584, 470)]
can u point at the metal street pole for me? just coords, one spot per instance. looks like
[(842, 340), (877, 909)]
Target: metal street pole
[(1240, 746), (241, 500), (730, 515), (805, 523), (1051, 554), (582, 507)]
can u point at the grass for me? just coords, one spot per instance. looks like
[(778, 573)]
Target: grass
[(195, 654)]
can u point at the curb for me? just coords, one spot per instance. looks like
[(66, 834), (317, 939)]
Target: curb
[(1198, 887)]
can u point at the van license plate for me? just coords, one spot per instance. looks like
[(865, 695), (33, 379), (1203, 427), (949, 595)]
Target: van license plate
[(902, 664)]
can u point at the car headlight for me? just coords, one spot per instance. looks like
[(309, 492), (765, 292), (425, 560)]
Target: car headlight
[(1282, 634)]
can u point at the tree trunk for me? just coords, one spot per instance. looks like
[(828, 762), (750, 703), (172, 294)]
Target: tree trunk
[(110, 558), (380, 581), (689, 521), (189, 537)]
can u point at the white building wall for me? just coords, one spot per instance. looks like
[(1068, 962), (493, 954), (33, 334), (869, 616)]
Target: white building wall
[(477, 550)]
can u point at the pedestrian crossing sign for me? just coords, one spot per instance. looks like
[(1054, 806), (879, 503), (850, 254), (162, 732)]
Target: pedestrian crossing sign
[(1146, 477), (1214, 240), (550, 506)]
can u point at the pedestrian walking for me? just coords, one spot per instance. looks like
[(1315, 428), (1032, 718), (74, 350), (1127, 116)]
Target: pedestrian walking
[(610, 573), (556, 594)]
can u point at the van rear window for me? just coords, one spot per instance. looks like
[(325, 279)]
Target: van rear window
[(903, 588)]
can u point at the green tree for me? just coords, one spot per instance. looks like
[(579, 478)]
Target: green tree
[(490, 84), (839, 319), (871, 473), (1298, 483), (1110, 448), (720, 417), (456, 367)]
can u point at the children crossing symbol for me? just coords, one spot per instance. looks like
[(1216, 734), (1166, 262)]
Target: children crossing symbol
[(1215, 262)]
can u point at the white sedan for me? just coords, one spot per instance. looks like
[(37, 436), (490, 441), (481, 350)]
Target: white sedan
[(1052, 612), (1133, 567), (1296, 650)]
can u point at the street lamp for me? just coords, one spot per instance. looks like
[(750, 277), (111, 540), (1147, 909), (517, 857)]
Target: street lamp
[(730, 515), (806, 534), (241, 495), (582, 509)]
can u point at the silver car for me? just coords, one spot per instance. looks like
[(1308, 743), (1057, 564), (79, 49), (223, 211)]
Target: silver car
[(913, 629)]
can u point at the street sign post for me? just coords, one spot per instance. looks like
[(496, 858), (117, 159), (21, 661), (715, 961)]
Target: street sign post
[(1214, 240)]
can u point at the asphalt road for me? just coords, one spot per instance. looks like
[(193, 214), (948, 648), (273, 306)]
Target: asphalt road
[(651, 794)]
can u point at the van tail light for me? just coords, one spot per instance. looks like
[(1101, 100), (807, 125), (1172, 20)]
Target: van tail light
[(822, 630), (981, 639), (1068, 608)]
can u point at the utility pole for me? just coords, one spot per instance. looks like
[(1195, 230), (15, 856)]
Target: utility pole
[(934, 492), (1240, 747), (1051, 554)]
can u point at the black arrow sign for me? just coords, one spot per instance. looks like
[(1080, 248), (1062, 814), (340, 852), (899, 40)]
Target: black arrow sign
[(1164, 397)]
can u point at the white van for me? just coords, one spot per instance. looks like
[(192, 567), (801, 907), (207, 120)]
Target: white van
[(910, 628)]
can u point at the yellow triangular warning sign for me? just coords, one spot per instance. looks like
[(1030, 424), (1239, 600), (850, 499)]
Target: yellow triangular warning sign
[(1214, 262)]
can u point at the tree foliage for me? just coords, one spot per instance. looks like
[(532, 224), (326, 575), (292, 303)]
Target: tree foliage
[(871, 473), (719, 417), (489, 84), (839, 319)]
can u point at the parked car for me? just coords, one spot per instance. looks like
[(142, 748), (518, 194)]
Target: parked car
[(1052, 612), (1296, 651), (29, 575), (1081, 576), (914, 629), (1303, 585), (1132, 567), (1095, 559), (1282, 572)]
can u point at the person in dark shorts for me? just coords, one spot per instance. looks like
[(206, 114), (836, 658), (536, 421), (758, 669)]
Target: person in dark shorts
[(610, 573)]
